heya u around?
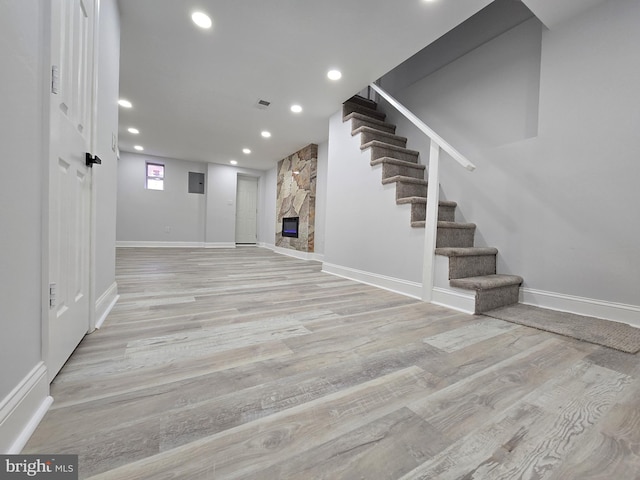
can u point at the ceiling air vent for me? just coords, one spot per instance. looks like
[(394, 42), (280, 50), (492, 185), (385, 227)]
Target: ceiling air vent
[(263, 104)]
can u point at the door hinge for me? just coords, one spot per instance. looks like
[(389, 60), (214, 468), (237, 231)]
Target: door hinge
[(55, 79), (52, 295)]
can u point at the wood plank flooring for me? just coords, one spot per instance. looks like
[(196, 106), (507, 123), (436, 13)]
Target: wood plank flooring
[(245, 364)]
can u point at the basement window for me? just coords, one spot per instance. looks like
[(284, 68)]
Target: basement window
[(155, 176)]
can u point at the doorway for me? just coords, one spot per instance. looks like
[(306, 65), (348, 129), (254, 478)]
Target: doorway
[(246, 210)]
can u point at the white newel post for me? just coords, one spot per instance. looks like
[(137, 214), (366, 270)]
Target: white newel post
[(431, 222)]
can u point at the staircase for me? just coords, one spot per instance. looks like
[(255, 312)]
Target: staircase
[(470, 268)]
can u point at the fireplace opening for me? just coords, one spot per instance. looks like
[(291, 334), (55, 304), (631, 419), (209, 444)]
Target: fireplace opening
[(290, 227)]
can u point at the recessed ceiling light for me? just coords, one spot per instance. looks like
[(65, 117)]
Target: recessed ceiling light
[(246, 151), (296, 108), (139, 148), (201, 19), (334, 74), (266, 134), (135, 131), (233, 162), (125, 103)]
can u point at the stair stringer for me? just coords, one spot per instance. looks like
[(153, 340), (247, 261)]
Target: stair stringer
[(447, 296), (377, 243)]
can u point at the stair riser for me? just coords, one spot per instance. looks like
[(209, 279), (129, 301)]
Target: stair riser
[(472, 266), (366, 137), (365, 102), (351, 107), (445, 213), (404, 190), (359, 122), (379, 152), (495, 298), (391, 170), (454, 237)]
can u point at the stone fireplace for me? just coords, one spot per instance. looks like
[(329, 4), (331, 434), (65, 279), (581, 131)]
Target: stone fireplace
[(296, 198)]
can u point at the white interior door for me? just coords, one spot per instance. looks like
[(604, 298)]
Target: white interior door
[(247, 210), (71, 107)]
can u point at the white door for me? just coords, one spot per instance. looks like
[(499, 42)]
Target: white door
[(71, 108), (246, 210)]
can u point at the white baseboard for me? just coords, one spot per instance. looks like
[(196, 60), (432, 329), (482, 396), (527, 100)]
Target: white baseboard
[(397, 285), (22, 410), (220, 245), (105, 303), (455, 298), (297, 254), (136, 244), (618, 312), (144, 244)]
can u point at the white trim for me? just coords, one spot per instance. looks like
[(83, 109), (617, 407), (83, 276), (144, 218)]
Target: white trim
[(22, 410), (618, 312), (220, 245), (146, 244), (397, 285), (105, 303), (455, 299)]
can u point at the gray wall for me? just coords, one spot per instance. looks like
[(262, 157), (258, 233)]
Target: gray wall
[(22, 30), (169, 215), (550, 117), (267, 219), (364, 228), (173, 214), (221, 202), (105, 177)]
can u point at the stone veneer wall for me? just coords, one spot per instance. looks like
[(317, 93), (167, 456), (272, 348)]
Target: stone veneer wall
[(296, 197)]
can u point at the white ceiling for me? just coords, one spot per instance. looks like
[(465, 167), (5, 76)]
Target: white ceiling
[(195, 92)]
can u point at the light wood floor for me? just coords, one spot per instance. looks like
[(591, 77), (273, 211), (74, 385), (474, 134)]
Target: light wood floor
[(245, 364)]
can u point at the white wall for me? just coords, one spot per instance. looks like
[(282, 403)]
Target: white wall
[(105, 176), (267, 215), (22, 28), (367, 236), (221, 190), (24, 48), (169, 215), (551, 119), (174, 216)]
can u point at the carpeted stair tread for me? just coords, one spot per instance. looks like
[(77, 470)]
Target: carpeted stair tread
[(365, 102), (405, 200), (373, 134), (486, 282), (466, 251), (364, 120), (350, 107), (377, 143), (402, 178), (469, 226), (395, 161)]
